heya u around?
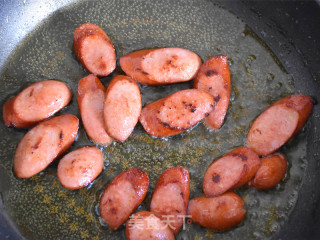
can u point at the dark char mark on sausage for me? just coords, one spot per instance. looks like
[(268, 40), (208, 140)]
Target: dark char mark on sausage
[(216, 178), (36, 146), (209, 73), (217, 98), (244, 158), (61, 138)]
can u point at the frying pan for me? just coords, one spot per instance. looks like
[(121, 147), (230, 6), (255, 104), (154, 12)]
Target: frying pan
[(273, 49)]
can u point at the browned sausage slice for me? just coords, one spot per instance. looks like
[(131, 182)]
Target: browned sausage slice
[(302, 103), (272, 171), (36, 103), (223, 174), (161, 66), (122, 107), (69, 125), (94, 49), (219, 213), (273, 128), (171, 197), (122, 196), (80, 167), (43, 144), (214, 78), (252, 162), (90, 97), (276, 125), (145, 225), (151, 123), (184, 108)]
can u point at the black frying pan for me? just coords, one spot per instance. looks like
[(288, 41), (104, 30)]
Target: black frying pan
[(273, 50)]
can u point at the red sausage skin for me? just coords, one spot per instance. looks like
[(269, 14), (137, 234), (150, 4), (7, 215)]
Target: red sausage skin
[(214, 78), (122, 196), (94, 49)]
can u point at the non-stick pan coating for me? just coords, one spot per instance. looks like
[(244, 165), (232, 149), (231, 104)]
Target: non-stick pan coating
[(262, 72)]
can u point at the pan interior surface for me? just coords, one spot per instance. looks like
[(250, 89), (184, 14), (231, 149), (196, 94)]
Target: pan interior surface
[(42, 209)]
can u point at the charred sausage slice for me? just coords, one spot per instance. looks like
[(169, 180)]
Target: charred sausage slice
[(94, 49), (252, 162), (151, 123), (161, 66), (90, 97), (43, 144), (80, 167), (223, 174), (214, 78), (233, 170), (122, 196), (171, 197), (184, 108), (176, 113)]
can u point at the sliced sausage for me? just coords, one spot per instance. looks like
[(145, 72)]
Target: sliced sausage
[(90, 97), (151, 123), (122, 196), (35, 103), (223, 174), (176, 113), (185, 108), (43, 144), (233, 170), (252, 162), (145, 225), (277, 124), (214, 78), (273, 128), (69, 125), (80, 167), (171, 197), (218, 213), (302, 103), (94, 49), (272, 171), (122, 107), (161, 66)]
